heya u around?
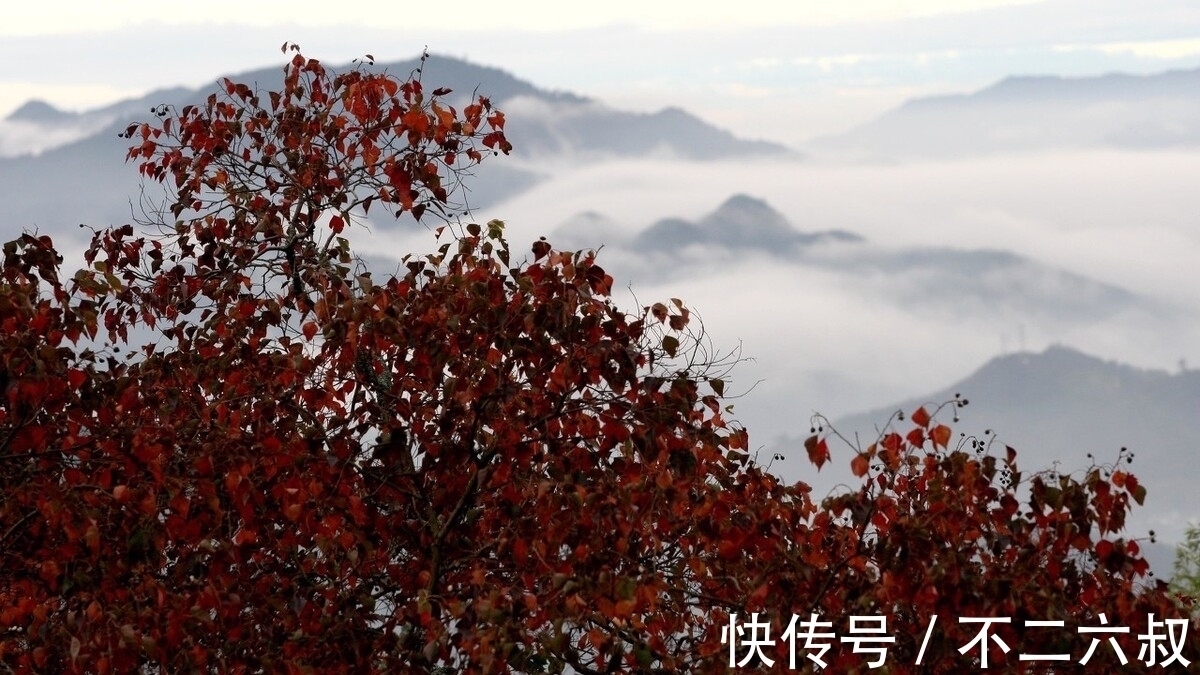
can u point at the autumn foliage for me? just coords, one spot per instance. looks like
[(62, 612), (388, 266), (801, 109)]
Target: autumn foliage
[(226, 447)]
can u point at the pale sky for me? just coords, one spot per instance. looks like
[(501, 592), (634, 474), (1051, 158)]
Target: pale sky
[(783, 71), (49, 18)]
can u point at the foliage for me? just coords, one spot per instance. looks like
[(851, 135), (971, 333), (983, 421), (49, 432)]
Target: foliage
[(1185, 577), (480, 465)]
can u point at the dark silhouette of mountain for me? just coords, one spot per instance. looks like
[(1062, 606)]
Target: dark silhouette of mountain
[(40, 112), (958, 281), (1062, 410), (86, 180), (545, 124), (1021, 114), (592, 130), (741, 222), (1064, 403), (1084, 90)]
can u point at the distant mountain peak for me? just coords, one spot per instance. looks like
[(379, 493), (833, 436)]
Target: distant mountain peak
[(744, 203), (740, 222), (1110, 86), (743, 218), (547, 128), (1033, 113), (39, 111), (466, 77), (1054, 362), (1059, 383), (545, 123), (1072, 412)]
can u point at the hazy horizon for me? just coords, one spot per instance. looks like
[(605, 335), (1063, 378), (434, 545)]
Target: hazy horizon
[(816, 70)]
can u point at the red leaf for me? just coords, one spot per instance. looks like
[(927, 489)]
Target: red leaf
[(818, 451), (759, 595), (1139, 494), (941, 436), (920, 418), (892, 443), (860, 464), (76, 378), (916, 438), (1131, 482)]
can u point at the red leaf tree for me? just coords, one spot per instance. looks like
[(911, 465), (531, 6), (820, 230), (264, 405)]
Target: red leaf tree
[(225, 448)]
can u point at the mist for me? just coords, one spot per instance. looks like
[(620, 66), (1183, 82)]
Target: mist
[(1104, 245), (843, 337)]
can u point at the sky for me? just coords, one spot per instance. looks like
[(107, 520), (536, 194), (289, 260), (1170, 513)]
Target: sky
[(764, 71)]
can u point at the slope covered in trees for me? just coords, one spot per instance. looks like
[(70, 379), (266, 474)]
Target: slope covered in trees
[(481, 464)]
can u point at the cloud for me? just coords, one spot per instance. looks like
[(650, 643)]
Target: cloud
[(705, 65), (830, 62), (26, 138), (41, 19), (838, 335), (1148, 49)]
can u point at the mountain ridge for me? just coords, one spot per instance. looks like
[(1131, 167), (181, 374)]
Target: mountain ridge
[(986, 281), (465, 79), (573, 127), (1062, 410), (1034, 113), (739, 222), (1079, 409)]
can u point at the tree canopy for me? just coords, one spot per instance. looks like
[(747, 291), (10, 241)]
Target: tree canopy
[(227, 447)]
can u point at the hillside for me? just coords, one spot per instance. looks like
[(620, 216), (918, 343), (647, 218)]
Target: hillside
[(985, 281), (69, 166), (1033, 114), (1066, 410)]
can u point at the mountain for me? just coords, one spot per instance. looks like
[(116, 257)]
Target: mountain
[(1027, 114), (590, 130), (738, 223), (40, 112), (956, 282), (541, 123), (1063, 403), (37, 126), (69, 167), (1066, 410)]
